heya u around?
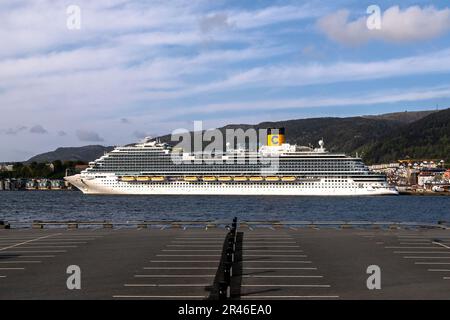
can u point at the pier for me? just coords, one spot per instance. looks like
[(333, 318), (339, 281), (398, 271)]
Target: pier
[(228, 260)]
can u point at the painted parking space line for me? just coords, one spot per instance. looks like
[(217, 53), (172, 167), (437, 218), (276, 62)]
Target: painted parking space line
[(2, 276), (271, 241), (279, 268), (196, 242), (289, 285), (158, 297), (180, 268), (414, 240), (37, 246), (27, 257), (288, 297), (195, 246), (419, 252), (271, 237), (273, 251), (446, 278), (423, 262), (281, 276), (37, 251), (21, 261), (19, 238), (174, 275), (35, 257), (425, 257), (425, 236), (212, 238), (417, 257), (274, 238), (191, 250), (441, 244), (166, 285), (12, 268), (184, 261), (259, 261), (268, 246), (188, 255), (415, 243), (41, 243), (439, 270), (276, 255), (427, 247), (29, 241)]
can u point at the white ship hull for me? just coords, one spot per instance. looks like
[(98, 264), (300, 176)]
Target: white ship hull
[(111, 185)]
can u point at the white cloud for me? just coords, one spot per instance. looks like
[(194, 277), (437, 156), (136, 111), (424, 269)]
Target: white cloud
[(361, 99), (140, 59), (291, 75), (411, 24), (272, 15)]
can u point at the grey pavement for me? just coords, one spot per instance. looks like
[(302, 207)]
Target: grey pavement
[(285, 263)]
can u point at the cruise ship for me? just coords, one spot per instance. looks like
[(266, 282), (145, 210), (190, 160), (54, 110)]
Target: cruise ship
[(277, 168)]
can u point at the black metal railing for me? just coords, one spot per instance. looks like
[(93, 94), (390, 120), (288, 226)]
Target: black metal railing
[(228, 271)]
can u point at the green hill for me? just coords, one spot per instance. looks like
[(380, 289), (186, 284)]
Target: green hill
[(85, 154), (428, 137), (380, 138), (349, 135)]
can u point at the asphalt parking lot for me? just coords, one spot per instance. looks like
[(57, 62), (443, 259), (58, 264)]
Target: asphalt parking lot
[(176, 263)]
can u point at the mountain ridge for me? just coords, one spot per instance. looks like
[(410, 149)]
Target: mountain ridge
[(378, 138), (84, 153)]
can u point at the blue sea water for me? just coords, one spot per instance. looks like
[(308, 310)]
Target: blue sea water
[(73, 205)]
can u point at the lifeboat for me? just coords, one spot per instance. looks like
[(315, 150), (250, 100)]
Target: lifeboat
[(158, 179), (240, 178), (128, 178), (224, 179), (272, 178), (143, 178), (288, 179), (190, 179), (209, 179), (256, 179)]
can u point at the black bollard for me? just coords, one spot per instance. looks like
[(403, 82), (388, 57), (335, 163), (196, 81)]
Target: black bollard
[(227, 272), (229, 255), (223, 290)]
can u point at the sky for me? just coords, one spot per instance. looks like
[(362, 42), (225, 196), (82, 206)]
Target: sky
[(111, 72)]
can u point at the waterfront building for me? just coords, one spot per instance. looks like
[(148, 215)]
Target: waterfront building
[(57, 184), (44, 184), (32, 184)]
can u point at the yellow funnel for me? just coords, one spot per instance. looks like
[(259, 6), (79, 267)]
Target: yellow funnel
[(275, 137)]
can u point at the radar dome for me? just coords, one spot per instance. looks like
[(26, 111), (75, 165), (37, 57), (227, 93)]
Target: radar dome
[(321, 143)]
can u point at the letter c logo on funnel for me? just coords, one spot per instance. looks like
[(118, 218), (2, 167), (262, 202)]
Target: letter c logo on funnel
[(275, 140)]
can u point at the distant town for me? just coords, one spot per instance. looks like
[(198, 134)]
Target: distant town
[(417, 176), (38, 176)]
